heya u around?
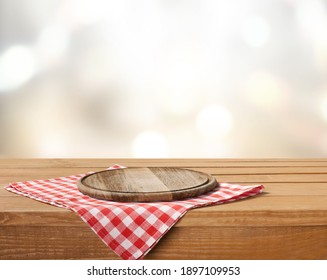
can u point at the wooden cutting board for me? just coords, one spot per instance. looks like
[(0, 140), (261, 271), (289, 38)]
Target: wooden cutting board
[(138, 184)]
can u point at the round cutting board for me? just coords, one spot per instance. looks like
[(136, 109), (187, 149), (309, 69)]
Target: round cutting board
[(136, 184)]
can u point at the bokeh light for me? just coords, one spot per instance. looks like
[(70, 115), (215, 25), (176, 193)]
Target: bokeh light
[(52, 44), (266, 91), (214, 121), (150, 144), (17, 66), (256, 31)]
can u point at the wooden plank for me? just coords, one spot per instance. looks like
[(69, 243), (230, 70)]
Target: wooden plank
[(217, 243), (296, 189), (215, 170), (59, 217), (193, 218), (273, 178), (258, 203), (267, 170), (234, 178), (41, 242), (256, 243), (4, 192), (269, 211), (284, 189), (44, 172), (191, 162), (25, 205)]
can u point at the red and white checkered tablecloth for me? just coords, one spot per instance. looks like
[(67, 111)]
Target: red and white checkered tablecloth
[(131, 230)]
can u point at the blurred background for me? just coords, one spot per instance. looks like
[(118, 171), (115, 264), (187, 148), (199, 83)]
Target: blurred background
[(163, 78)]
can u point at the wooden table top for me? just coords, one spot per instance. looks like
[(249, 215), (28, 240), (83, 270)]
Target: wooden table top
[(287, 221)]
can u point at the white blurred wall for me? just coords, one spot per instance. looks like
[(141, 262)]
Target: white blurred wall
[(158, 78)]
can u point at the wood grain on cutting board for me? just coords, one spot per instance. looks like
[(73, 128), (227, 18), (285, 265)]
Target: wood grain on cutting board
[(146, 184)]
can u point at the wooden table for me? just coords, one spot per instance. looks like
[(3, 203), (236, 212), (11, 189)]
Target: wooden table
[(287, 221)]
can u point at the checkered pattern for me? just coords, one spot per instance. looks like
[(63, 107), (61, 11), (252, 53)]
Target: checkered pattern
[(131, 230)]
